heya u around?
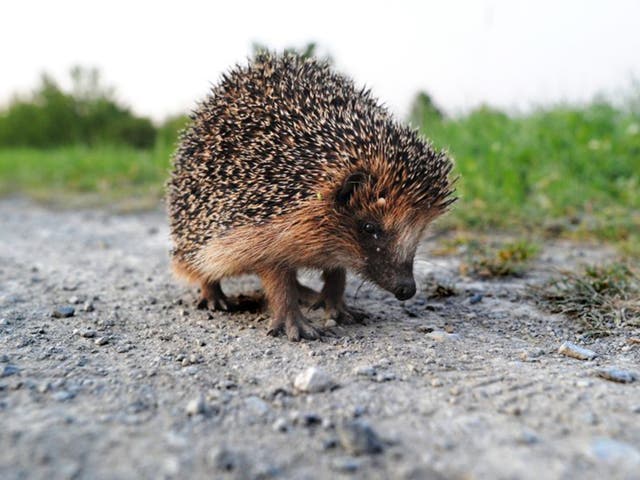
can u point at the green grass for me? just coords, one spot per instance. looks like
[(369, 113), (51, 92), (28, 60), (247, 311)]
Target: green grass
[(571, 170), (110, 171), (601, 297), (500, 259)]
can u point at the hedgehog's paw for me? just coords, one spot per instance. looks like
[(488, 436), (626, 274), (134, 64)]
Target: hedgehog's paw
[(211, 295), (295, 327), (276, 326), (299, 327), (221, 304), (344, 315)]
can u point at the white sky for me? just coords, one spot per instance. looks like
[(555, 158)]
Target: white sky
[(161, 56)]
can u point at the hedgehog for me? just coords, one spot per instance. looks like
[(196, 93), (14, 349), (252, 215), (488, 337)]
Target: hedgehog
[(286, 166)]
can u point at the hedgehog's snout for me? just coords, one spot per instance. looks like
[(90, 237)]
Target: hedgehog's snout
[(396, 278), (405, 290)]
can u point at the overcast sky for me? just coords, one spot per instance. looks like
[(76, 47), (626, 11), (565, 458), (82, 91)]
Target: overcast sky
[(161, 56)]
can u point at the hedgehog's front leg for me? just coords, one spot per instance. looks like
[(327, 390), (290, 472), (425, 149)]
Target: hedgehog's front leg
[(332, 298), (281, 289)]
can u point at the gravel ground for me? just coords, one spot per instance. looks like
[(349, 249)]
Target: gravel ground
[(108, 371)]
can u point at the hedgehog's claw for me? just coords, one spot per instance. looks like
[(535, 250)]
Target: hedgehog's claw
[(221, 304), (276, 326), (300, 328), (211, 294), (296, 329)]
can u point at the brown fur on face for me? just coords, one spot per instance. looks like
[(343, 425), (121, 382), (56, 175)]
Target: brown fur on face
[(385, 222)]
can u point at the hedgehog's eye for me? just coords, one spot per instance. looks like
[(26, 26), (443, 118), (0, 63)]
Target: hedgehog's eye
[(370, 228)]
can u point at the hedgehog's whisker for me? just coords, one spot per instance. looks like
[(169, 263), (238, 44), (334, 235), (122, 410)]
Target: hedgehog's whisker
[(355, 296)]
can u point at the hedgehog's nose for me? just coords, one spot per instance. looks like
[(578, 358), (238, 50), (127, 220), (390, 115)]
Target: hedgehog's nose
[(405, 290)]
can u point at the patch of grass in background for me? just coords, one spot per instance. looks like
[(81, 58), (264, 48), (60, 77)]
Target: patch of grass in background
[(601, 298), (109, 170), (497, 259), (570, 170)]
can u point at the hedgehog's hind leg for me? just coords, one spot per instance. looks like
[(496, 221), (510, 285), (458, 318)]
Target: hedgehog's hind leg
[(332, 298), (306, 295), (211, 295), (281, 289)]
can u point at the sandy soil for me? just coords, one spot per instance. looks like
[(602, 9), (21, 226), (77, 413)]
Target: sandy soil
[(140, 384)]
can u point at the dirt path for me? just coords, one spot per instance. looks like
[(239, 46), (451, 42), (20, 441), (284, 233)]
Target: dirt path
[(139, 384)]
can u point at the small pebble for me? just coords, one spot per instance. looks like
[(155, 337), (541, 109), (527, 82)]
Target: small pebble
[(329, 444), (476, 298), (88, 333), (424, 328), (616, 375), (226, 460), (615, 452), (88, 306), (365, 371), (583, 383), (569, 349), (436, 382), (327, 423), (345, 464), (442, 336), (62, 396), (9, 370), (44, 387), (196, 406), (256, 406), (313, 380), (310, 419), (63, 312), (101, 341), (358, 438), (386, 377), (531, 355), (280, 425), (455, 391), (528, 437)]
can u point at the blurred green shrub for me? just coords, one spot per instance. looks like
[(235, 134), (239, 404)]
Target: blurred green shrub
[(89, 114)]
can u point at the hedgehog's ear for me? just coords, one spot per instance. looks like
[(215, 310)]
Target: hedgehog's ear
[(349, 186)]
